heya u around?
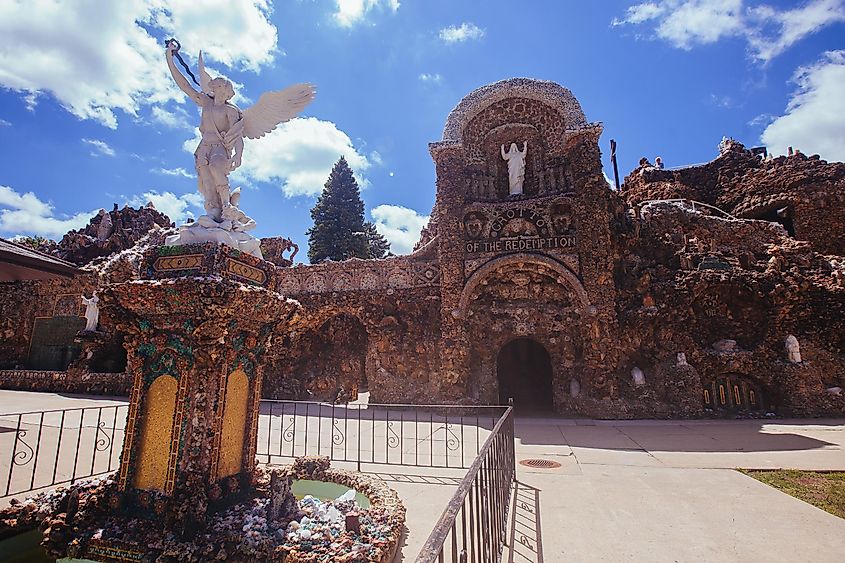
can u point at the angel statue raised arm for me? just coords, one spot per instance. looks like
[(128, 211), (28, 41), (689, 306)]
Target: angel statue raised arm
[(223, 127)]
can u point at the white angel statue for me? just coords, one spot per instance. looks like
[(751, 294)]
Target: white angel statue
[(223, 127)]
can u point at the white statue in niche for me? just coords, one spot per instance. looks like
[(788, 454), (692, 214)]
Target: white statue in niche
[(516, 166), (92, 312), (681, 359), (793, 350), (574, 388), (223, 127), (638, 376)]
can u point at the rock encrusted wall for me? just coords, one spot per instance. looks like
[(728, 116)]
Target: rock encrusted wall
[(108, 233), (655, 310), (726, 294), (805, 193), (87, 383)]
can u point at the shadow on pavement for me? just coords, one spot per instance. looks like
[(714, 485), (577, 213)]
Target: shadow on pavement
[(721, 436), (525, 543)]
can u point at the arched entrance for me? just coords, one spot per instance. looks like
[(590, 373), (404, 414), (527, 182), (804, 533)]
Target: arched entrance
[(524, 371)]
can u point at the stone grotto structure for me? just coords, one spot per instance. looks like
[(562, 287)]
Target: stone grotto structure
[(714, 290)]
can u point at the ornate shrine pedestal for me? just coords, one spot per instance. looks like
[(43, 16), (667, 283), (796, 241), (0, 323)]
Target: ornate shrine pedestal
[(195, 333)]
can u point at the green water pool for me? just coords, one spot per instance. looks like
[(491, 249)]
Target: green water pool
[(26, 548)]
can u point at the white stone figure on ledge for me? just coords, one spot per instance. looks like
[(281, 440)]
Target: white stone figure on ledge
[(638, 376), (516, 166), (223, 127), (793, 350), (92, 312)]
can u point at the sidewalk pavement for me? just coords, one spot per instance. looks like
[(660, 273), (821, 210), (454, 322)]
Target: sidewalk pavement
[(668, 491)]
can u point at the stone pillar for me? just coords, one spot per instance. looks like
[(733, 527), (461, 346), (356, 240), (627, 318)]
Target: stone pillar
[(451, 173), (195, 348)]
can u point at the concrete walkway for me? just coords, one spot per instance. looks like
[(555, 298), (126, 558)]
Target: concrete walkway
[(627, 491), (668, 491)]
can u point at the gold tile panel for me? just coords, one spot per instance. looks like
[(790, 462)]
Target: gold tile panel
[(156, 434), (179, 262), (245, 271), (234, 424)]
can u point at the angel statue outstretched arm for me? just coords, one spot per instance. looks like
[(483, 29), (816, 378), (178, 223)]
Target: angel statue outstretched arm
[(223, 127), (180, 80)]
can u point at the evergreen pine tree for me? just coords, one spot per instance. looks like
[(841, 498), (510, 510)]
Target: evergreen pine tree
[(378, 245), (338, 232)]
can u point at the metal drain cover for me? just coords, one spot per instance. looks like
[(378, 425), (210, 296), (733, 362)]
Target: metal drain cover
[(540, 463)]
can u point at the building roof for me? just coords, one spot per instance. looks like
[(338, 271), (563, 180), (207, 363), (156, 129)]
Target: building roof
[(18, 262)]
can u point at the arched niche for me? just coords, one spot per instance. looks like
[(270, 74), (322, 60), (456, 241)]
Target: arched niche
[(233, 431), (156, 434), (563, 274), (325, 362)]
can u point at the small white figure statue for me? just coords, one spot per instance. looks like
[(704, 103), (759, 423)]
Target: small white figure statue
[(638, 376), (793, 350), (574, 388), (92, 312), (223, 127), (516, 166), (681, 359)]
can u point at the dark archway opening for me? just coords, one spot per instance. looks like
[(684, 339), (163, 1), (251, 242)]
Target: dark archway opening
[(785, 216), (524, 370)]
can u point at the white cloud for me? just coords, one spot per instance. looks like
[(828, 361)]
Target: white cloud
[(176, 119), (463, 32), (177, 208), (26, 214), (399, 225), (814, 121), (173, 172), (351, 12), (768, 31), (299, 154), (4, 123), (426, 77), (236, 33), (791, 25), (721, 101), (376, 158), (99, 57), (100, 147)]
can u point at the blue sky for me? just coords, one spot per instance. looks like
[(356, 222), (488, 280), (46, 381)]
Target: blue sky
[(89, 116)]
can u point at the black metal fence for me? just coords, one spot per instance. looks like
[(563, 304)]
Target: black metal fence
[(46, 448), (447, 436), (473, 526)]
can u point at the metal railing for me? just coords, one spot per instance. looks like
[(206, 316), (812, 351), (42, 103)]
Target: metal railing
[(695, 205), (48, 448), (472, 528), (448, 436), (54, 447)]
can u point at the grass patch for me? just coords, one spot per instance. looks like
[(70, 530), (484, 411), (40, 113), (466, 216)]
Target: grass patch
[(824, 490)]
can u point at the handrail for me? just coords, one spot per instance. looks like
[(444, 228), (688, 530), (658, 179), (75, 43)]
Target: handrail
[(432, 549), (693, 203)]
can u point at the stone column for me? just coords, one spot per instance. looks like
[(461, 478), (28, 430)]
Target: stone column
[(451, 173), (195, 347)]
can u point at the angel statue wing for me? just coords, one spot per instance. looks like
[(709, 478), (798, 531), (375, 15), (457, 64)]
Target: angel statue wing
[(273, 108), (205, 78)]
